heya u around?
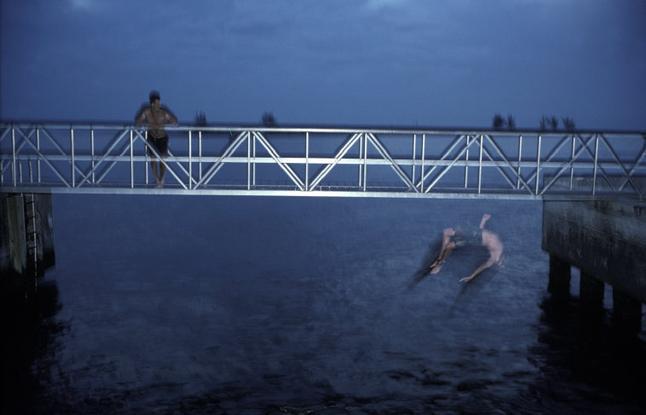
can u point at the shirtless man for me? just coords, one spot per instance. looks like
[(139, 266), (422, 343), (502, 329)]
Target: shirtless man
[(156, 116), (488, 239)]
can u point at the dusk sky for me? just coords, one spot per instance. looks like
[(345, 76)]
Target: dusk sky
[(368, 62)]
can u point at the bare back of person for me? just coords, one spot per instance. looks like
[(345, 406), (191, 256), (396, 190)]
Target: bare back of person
[(156, 118)]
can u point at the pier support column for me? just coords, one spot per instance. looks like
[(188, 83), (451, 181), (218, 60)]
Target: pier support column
[(559, 283), (13, 243), (626, 313), (591, 292), (26, 240)]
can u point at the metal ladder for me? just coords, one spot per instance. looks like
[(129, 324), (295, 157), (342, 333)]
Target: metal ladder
[(32, 230)]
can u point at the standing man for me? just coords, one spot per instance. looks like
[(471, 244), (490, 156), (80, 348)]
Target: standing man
[(156, 116)]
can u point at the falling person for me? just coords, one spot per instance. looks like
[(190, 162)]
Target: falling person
[(485, 237)]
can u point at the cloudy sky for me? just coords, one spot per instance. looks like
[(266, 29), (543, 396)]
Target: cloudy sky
[(375, 62)]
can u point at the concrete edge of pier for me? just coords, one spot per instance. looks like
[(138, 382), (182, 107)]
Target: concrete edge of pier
[(606, 240), (26, 240)]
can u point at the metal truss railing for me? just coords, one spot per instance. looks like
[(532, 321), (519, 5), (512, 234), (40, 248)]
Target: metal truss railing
[(341, 162)]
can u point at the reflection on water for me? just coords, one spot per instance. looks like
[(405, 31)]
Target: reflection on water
[(30, 333), (271, 321), (586, 362)]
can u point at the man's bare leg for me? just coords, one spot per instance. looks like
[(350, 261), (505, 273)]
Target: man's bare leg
[(484, 220), (162, 170), (155, 170), (447, 247)]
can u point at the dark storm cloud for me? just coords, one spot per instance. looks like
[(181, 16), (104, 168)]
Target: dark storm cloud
[(335, 61)]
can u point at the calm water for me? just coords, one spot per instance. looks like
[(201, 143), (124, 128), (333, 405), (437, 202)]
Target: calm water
[(245, 305)]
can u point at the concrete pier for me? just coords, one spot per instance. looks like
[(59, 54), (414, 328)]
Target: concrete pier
[(13, 245), (26, 239), (606, 240)]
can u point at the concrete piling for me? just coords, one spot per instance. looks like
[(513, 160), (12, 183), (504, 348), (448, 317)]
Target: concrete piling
[(591, 293), (559, 278), (626, 312), (13, 245)]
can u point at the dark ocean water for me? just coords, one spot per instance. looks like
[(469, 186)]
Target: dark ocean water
[(298, 305)]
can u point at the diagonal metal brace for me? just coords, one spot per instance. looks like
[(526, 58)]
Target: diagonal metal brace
[(46, 161), (217, 165), (447, 168), (455, 143), (117, 138), (502, 155), (274, 154), (159, 157), (384, 153), (619, 163), (339, 155), (19, 149), (565, 166)]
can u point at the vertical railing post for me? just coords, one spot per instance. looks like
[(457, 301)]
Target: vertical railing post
[(72, 155), (520, 159), (199, 152), (38, 148), (190, 159), (13, 153), (253, 164), (480, 164), (360, 162), (132, 163), (307, 160), (146, 156), (466, 166), (365, 161), (423, 159), (249, 159), (92, 162), (596, 160), (572, 162), (538, 163), (414, 156)]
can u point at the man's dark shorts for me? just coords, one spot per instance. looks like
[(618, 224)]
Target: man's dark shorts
[(159, 144)]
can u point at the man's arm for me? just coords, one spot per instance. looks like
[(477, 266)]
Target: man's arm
[(140, 117), (169, 117), (484, 220)]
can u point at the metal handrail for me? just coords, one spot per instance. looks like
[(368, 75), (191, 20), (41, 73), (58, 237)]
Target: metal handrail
[(87, 158)]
